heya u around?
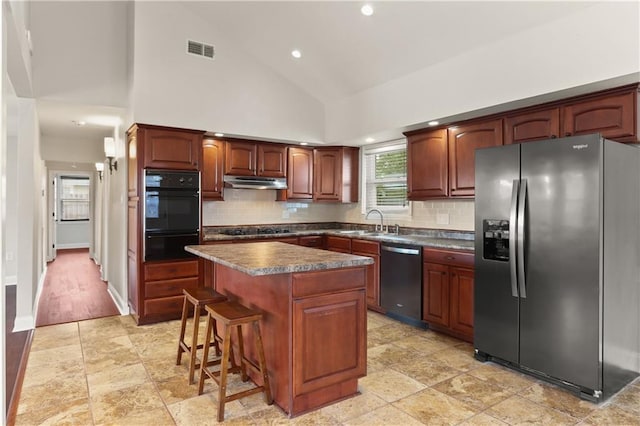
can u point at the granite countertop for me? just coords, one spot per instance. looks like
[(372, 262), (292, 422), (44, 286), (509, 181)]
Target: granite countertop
[(452, 240), (270, 258)]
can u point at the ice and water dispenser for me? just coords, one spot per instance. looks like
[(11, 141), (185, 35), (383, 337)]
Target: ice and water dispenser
[(495, 239)]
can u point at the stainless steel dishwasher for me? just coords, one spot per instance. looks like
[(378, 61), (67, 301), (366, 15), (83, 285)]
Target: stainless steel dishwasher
[(401, 281)]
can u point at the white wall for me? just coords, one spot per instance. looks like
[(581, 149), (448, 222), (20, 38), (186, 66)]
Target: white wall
[(114, 232), (30, 197), (597, 43), (72, 150), (233, 93)]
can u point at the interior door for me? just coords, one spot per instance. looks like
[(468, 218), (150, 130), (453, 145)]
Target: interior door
[(559, 314), (495, 304)]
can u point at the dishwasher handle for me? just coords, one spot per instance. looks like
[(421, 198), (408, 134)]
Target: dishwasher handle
[(402, 250)]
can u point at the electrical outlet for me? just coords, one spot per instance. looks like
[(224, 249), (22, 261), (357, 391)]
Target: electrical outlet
[(285, 214), (9, 256), (442, 218)]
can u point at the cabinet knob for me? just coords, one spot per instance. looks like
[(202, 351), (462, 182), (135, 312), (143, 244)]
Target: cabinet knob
[(567, 134), (450, 257), (553, 136)]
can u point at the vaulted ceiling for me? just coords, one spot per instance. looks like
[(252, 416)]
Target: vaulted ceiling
[(81, 51)]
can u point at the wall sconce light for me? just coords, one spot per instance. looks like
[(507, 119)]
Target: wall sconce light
[(100, 169), (110, 153)]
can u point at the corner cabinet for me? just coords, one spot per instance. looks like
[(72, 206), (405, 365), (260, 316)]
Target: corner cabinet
[(155, 288), (335, 176), (212, 170), (448, 285)]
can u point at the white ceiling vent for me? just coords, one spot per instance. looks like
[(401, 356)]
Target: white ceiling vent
[(200, 49)]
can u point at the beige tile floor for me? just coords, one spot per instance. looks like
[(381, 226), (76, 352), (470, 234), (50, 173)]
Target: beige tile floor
[(110, 371)]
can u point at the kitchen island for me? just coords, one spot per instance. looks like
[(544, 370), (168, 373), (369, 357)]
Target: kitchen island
[(314, 316)]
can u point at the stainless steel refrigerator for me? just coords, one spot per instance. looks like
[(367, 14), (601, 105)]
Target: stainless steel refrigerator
[(557, 269)]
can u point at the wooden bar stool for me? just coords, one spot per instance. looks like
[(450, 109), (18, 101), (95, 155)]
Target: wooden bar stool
[(232, 314), (198, 297)]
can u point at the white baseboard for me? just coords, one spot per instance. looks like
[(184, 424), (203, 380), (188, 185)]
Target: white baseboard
[(25, 322), (11, 280), (122, 305), (72, 246)]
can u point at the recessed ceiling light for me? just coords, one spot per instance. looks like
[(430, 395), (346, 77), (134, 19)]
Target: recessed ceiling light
[(433, 123), (303, 143), (366, 10), (218, 134), (369, 140), (296, 53)]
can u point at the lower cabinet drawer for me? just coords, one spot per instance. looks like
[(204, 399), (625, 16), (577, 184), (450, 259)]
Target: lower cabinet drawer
[(448, 257), (165, 288), (164, 305), (170, 270), (364, 246)]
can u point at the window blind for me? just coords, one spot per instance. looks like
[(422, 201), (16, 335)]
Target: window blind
[(385, 177)]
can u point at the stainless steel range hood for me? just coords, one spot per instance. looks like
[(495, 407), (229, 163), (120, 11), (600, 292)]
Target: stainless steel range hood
[(255, 182)]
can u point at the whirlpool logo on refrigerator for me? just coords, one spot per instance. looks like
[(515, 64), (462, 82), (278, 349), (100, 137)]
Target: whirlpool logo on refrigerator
[(581, 146)]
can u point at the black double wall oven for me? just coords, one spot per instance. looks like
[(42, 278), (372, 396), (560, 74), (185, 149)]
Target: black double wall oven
[(171, 213)]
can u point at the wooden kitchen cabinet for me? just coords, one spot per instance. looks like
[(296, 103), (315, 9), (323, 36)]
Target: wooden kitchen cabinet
[(447, 289), (272, 160), (613, 115), (463, 140), (154, 289), (300, 174), (335, 176), (370, 249), (212, 170), (315, 241), (255, 159), (427, 165), (532, 126), (163, 285), (172, 149), (339, 244), (319, 322)]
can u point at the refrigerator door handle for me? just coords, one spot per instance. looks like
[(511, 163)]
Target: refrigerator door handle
[(512, 237), (522, 204)]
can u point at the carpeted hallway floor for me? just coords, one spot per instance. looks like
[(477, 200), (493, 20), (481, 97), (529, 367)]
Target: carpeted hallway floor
[(73, 290)]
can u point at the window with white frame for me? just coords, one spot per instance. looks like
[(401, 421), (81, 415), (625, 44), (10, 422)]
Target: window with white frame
[(385, 177), (74, 198)]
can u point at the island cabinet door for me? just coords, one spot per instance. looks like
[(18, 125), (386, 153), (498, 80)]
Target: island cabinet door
[(329, 340)]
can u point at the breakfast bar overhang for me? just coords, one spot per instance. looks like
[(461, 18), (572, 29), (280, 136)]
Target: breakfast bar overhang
[(314, 316)]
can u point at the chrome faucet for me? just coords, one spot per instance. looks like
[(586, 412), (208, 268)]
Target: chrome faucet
[(381, 218)]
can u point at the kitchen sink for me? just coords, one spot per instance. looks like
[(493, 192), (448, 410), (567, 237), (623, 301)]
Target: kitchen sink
[(354, 232)]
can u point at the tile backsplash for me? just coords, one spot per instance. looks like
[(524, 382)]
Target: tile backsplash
[(247, 207)]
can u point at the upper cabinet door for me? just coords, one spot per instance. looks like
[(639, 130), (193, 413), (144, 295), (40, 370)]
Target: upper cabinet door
[(272, 160), (172, 149), (463, 141), (427, 165), (532, 126), (613, 116), (327, 174), (241, 158), (212, 169), (300, 174)]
